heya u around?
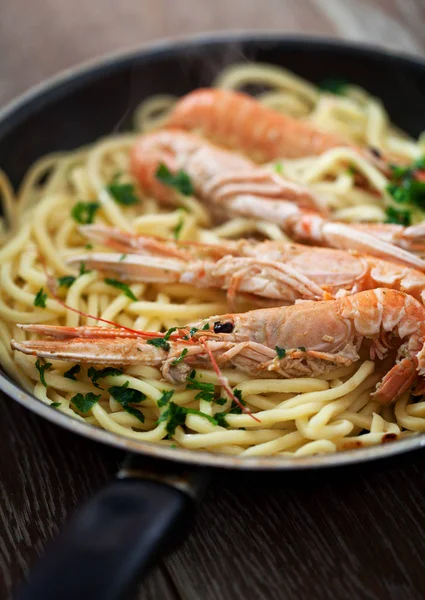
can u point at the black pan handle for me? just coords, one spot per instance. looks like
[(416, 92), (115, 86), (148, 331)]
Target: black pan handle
[(116, 537)]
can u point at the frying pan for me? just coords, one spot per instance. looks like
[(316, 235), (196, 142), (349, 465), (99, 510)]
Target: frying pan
[(148, 509)]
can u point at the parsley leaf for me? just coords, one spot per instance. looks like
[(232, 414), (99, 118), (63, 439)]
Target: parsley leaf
[(280, 352), (96, 374), (122, 257), (121, 286), (278, 167), (165, 398), (159, 343), (84, 212), (177, 229), (180, 180), (169, 332), (234, 408), (42, 367), (123, 193), (88, 246), (71, 373), (40, 298), (334, 86), (206, 327), (175, 416), (220, 417), (127, 396), (178, 360), (85, 402), (83, 269), (302, 348), (206, 389), (55, 404), (66, 281), (399, 216)]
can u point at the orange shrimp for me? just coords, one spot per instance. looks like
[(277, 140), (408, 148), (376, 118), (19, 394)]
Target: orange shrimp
[(236, 120), (306, 339), (233, 185)]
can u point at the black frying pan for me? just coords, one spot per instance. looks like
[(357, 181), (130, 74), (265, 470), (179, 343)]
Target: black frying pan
[(150, 506)]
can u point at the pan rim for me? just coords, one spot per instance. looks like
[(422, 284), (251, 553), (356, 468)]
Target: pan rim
[(43, 92)]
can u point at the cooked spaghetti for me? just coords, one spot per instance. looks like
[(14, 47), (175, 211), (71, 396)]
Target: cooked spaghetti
[(40, 232)]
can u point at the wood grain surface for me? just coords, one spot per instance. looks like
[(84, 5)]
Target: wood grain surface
[(357, 535)]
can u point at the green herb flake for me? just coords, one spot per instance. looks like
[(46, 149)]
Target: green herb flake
[(220, 418), (351, 170), (42, 367), (193, 331), (159, 343), (66, 281), (84, 212), (121, 286), (179, 181), (173, 446), (169, 332), (165, 398), (122, 193), (122, 257), (175, 416), (72, 372), (40, 298), (399, 216), (126, 396), (280, 352), (55, 404), (83, 269), (278, 168), (88, 246), (220, 401), (302, 349), (177, 229), (85, 402), (96, 374), (178, 360), (207, 390), (334, 86), (235, 409), (206, 327)]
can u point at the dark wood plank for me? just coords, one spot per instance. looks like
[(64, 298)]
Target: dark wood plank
[(45, 474), (357, 537)]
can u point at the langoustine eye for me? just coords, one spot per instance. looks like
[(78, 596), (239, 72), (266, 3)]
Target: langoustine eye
[(223, 327)]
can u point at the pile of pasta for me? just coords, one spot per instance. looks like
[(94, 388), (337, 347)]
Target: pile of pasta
[(40, 231)]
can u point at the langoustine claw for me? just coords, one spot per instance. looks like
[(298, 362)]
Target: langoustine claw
[(306, 339)]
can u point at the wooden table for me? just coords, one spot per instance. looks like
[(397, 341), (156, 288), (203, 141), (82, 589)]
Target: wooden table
[(356, 535)]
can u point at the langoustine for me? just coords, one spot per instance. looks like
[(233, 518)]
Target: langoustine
[(238, 121), (306, 339), (233, 185), (274, 270)]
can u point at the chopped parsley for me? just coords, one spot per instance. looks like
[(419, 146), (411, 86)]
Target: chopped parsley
[(206, 327), (42, 367), (85, 402), (123, 193), (407, 190), (169, 332), (399, 216), (66, 281), (71, 373), (278, 167), (127, 396), (96, 374), (55, 404), (302, 349), (159, 343), (175, 416), (334, 86), (88, 246), (280, 352), (351, 170), (177, 229), (121, 286), (40, 298), (207, 390), (83, 269), (178, 360), (179, 181), (220, 417), (122, 257), (84, 212), (165, 398)]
